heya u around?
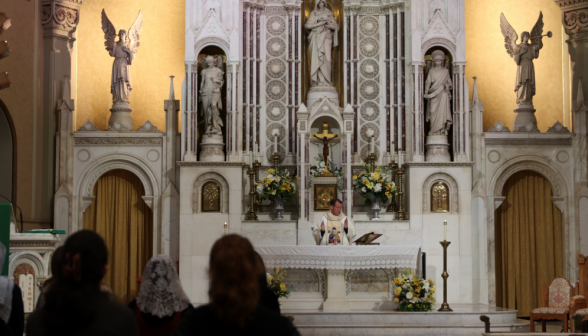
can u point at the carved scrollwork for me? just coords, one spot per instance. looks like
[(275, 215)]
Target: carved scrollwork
[(197, 188), (558, 128), (528, 128), (368, 130), (64, 16), (369, 26), (270, 151), (276, 111), (574, 18), (498, 127), (369, 89), (88, 126), (369, 47), (275, 89), (453, 191), (148, 127), (369, 111), (117, 141), (365, 151), (369, 68), (276, 46), (276, 25), (276, 68), (275, 10)]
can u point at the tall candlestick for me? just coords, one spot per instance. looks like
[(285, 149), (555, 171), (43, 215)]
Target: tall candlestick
[(444, 230), (275, 143)]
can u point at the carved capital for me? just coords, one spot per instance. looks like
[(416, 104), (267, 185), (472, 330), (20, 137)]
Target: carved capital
[(60, 14), (575, 18)]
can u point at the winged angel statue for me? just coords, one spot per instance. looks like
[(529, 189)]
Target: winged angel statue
[(523, 54), (123, 51)]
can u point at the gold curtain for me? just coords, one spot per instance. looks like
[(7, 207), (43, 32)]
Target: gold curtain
[(528, 236), (122, 218)]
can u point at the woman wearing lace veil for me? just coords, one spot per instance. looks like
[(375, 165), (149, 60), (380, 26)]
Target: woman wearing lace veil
[(161, 300)]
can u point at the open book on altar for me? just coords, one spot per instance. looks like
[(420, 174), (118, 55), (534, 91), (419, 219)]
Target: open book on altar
[(367, 239)]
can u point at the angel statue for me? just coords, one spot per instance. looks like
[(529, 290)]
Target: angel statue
[(123, 51), (523, 55), (210, 94)]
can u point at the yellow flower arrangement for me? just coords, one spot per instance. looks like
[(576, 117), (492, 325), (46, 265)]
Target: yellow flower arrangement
[(374, 184), (277, 184), (413, 293), (276, 283)]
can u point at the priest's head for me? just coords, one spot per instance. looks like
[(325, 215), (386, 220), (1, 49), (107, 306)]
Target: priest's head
[(336, 206)]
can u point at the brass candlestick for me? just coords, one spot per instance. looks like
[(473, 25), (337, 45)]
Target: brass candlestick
[(251, 214), (445, 275), (393, 168), (256, 166), (400, 212), (276, 159), (372, 161)]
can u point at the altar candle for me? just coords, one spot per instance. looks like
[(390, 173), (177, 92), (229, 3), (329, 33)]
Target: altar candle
[(392, 148), (372, 145), (400, 158), (275, 143), (255, 149), (226, 228), (445, 230), (251, 159)]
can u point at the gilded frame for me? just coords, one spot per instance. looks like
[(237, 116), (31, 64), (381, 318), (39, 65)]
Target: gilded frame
[(322, 190)]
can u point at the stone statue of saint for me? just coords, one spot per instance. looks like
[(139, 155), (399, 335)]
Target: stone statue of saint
[(210, 94), (322, 39), (437, 92), (123, 51), (523, 54)]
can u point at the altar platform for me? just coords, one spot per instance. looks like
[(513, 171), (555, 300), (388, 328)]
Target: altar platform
[(464, 320)]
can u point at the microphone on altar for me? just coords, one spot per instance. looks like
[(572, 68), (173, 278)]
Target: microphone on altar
[(21, 222)]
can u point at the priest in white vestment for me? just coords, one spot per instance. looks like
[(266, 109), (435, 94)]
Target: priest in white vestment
[(335, 228)]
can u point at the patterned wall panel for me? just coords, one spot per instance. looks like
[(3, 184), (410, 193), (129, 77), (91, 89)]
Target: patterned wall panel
[(370, 91)]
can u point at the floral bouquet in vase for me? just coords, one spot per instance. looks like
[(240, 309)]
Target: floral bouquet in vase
[(414, 294), (277, 184), (374, 186), (276, 283)]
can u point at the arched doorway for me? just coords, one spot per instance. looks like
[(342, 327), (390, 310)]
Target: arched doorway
[(8, 154), (124, 220), (528, 242)]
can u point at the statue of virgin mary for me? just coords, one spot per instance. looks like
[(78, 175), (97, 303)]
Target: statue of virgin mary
[(322, 39)]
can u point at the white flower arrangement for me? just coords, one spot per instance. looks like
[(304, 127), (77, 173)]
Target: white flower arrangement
[(318, 167)]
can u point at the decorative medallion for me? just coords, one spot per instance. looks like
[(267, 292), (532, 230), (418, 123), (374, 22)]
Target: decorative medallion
[(276, 68), (370, 111), (270, 151), (558, 128), (276, 46), (369, 130), (369, 47), (275, 89), (493, 156), (562, 156), (365, 151), (369, 25), (369, 68), (272, 129), (498, 127), (276, 25), (88, 126), (369, 89), (275, 111)]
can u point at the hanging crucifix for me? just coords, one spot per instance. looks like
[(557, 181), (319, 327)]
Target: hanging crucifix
[(326, 137)]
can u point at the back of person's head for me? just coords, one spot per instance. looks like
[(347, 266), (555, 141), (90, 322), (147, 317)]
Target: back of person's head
[(70, 300), (57, 262), (234, 274)]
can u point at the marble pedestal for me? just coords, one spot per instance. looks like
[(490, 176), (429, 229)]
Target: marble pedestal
[(524, 113), (437, 149), (212, 148), (335, 292), (318, 92), (121, 113)]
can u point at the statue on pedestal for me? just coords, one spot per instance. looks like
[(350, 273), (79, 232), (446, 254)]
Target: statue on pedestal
[(437, 91), (123, 51), (210, 97), (523, 55), (322, 38)]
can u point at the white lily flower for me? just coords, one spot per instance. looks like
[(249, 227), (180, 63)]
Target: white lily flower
[(277, 179), (409, 295), (378, 187)]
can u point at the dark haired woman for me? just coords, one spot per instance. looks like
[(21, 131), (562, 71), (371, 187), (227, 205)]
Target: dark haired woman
[(234, 307), (11, 305), (161, 301), (74, 303)]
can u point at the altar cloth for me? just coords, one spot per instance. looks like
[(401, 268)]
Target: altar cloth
[(339, 257)]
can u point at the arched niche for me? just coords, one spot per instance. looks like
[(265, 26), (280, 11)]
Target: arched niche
[(8, 169), (198, 188), (453, 192), (214, 51), (316, 145)]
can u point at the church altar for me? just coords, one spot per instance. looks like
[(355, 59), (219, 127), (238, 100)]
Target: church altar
[(333, 264)]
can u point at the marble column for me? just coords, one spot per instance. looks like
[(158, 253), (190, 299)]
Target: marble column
[(59, 19)]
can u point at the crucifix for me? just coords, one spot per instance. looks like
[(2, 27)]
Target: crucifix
[(326, 137)]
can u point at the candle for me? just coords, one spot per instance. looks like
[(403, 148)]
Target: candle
[(255, 150), (251, 159), (400, 158), (275, 143), (445, 230), (226, 228), (392, 148), (372, 145)]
